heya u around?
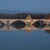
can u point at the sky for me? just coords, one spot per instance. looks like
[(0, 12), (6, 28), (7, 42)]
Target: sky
[(26, 5)]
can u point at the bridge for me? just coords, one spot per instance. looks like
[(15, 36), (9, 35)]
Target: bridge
[(25, 24)]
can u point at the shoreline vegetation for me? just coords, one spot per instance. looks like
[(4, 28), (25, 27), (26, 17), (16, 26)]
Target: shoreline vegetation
[(24, 16)]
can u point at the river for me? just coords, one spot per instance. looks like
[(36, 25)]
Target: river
[(23, 40)]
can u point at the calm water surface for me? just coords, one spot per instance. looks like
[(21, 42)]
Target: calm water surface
[(22, 40)]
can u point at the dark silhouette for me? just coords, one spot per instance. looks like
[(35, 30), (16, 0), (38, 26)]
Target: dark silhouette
[(24, 16)]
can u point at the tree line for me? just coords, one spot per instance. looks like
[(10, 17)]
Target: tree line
[(24, 16)]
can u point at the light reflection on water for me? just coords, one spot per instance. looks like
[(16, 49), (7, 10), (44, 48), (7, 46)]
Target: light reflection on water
[(22, 40)]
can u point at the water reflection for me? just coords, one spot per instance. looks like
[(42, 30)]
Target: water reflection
[(47, 31), (39, 24), (18, 24), (1, 24)]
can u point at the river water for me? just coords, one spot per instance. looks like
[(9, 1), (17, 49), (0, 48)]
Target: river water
[(23, 40)]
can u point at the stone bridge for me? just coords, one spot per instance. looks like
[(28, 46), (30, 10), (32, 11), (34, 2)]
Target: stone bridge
[(30, 24)]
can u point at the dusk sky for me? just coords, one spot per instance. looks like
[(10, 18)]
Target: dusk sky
[(26, 5)]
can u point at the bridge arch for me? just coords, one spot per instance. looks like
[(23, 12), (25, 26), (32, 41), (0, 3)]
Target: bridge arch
[(18, 24), (39, 24)]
